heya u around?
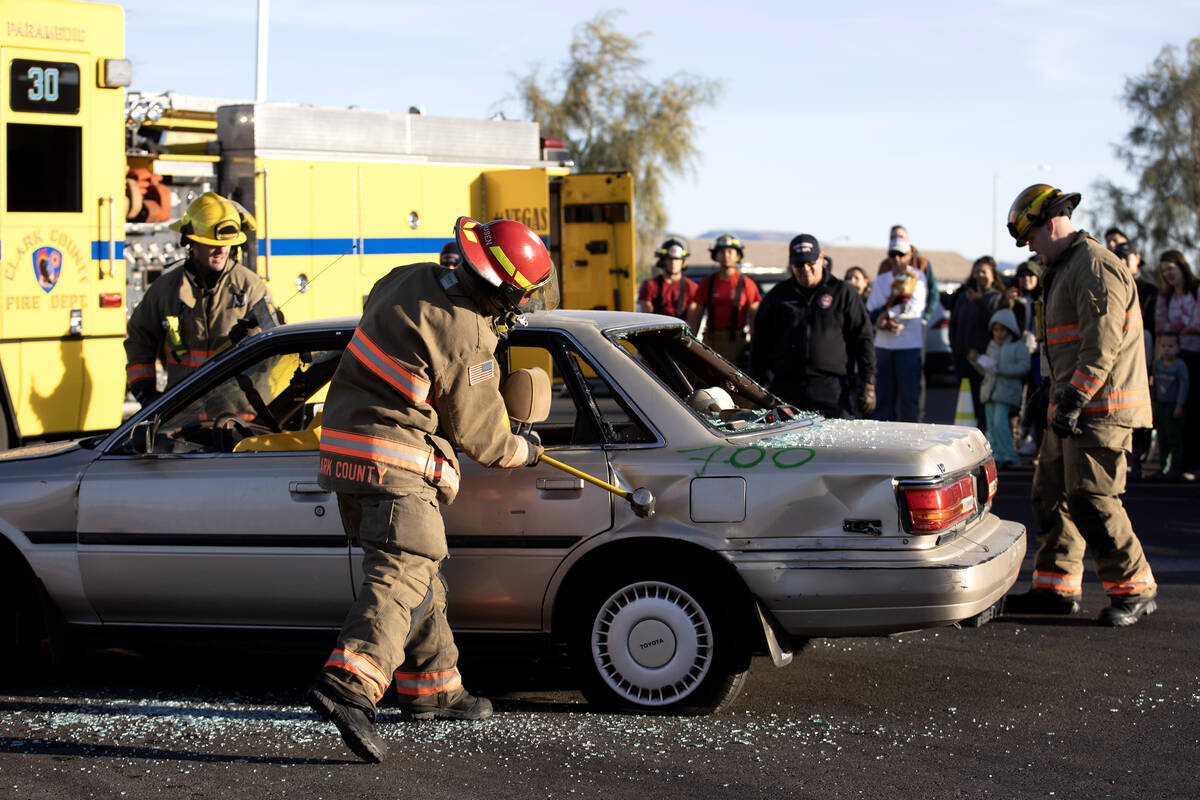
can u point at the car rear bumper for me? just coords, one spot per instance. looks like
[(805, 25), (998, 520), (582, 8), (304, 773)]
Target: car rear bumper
[(861, 593)]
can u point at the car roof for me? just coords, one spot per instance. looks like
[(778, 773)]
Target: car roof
[(561, 319)]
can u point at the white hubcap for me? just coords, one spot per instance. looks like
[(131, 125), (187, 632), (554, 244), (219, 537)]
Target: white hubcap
[(652, 643)]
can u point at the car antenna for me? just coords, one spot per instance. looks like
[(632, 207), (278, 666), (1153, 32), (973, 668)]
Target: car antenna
[(353, 248)]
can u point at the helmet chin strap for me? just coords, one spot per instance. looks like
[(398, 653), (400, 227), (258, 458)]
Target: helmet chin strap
[(509, 320)]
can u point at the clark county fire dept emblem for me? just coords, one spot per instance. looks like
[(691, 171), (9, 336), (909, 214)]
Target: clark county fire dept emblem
[(47, 266)]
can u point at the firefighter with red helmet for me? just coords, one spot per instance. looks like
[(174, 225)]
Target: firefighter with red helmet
[(670, 292), (189, 314), (1090, 328), (418, 378)]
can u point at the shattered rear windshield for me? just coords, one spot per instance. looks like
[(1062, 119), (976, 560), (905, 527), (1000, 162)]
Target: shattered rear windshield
[(726, 398)]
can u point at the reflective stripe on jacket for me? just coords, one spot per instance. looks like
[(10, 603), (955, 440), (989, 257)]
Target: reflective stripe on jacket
[(1093, 334), (177, 302), (419, 373)]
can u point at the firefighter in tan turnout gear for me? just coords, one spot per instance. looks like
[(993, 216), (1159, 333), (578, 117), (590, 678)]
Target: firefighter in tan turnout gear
[(189, 314), (1091, 332), (418, 377)]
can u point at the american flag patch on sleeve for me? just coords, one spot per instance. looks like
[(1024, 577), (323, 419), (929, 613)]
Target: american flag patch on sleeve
[(481, 372)]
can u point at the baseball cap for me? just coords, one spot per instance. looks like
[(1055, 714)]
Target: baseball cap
[(804, 249), (899, 245), (449, 256), (1123, 250)]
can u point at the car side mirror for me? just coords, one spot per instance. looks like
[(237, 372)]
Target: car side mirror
[(141, 436), (526, 395)]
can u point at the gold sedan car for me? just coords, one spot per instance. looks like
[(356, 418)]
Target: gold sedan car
[(203, 514)]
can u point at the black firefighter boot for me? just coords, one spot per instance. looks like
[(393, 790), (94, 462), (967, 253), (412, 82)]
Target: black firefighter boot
[(1126, 611), (355, 724), (467, 706), (1040, 601)]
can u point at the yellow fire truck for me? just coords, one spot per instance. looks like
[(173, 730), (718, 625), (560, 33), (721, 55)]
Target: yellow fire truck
[(343, 195), (62, 217), (92, 177)]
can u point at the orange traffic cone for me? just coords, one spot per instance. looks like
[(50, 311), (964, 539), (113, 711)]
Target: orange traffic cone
[(965, 413)]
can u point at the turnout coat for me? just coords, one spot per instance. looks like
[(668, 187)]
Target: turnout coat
[(419, 374), (1092, 332)]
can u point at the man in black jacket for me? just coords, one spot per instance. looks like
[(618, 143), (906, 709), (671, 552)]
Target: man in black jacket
[(808, 330)]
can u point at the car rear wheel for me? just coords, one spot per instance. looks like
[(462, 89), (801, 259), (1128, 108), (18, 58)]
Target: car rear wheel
[(20, 621), (660, 644)]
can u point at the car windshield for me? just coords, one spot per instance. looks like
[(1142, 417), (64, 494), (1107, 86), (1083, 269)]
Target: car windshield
[(726, 398)]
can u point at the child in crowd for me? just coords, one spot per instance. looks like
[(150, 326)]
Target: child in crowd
[(1004, 366), (1170, 394)]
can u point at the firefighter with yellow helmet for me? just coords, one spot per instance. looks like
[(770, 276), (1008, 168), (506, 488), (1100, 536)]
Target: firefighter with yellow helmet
[(419, 378), (188, 314), (1090, 329)]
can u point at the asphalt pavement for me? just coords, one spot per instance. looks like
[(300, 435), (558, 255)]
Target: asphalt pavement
[(1022, 707)]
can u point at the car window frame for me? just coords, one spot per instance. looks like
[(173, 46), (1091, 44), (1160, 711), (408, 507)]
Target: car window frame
[(621, 332), (555, 341), (215, 372)]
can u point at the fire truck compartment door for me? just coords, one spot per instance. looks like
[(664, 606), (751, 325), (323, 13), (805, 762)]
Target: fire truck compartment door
[(595, 242)]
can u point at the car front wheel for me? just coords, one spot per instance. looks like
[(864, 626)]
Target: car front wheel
[(660, 645)]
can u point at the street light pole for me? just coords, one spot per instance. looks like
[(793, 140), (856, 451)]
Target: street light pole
[(995, 210), (260, 59)]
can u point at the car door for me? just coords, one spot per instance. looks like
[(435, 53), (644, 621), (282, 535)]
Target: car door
[(509, 529), (214, 520)]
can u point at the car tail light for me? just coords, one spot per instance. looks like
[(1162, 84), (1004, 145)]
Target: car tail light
[(933, 509), (990, 479), (111, 300)]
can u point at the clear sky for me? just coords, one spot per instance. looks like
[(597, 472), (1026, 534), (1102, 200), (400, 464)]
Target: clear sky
[(836, 119)]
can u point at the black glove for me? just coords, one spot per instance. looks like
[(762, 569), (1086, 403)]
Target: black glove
[(866, 399), (1067, 404), (144, 392), (247, 326), (535, 448)]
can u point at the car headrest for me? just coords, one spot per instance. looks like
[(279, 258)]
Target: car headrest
[(714, 398), (527, 394)]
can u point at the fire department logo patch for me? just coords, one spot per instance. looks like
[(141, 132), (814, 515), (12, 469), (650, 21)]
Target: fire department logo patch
[(825, 301), (481, 372), (47, 266)]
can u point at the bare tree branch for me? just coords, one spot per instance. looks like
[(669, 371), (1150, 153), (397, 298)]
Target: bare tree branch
[(612, 118)]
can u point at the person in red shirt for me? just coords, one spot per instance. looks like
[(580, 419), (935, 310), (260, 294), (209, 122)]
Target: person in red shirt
[(728, 299), (669, 293)]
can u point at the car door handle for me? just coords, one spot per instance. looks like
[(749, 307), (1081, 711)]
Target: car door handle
[(306, 487), (560, 484)]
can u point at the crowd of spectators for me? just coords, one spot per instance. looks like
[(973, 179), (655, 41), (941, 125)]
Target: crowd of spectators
[(854, 347)]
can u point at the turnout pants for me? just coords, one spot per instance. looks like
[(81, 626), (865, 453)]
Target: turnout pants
[(1076, 500), (730, 343), (396, 631), (820, 394)]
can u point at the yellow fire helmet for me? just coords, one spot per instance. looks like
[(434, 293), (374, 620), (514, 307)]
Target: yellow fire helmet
[(1036, 205), (214, 220)]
